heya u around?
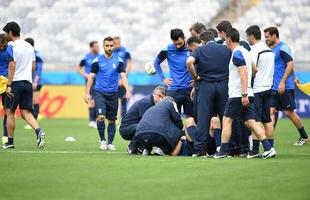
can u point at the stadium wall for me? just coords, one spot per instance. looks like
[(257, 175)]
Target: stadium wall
[(63, 92)]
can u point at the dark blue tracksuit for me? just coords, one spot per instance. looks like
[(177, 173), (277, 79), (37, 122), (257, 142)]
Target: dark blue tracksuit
[(212, 61), (160, 126), (133, 116)]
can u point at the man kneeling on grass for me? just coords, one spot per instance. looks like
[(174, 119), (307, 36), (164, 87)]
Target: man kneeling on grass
[(161, 126), (133, 116)]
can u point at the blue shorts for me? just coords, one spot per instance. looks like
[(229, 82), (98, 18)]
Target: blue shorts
[(262, 104), (22, 91), (284, 101), (182, 98), (106, 104), (235, 110)]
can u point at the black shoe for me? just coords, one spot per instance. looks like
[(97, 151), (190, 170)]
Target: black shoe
[(200, 154), (220, 155), (8, 146), (253, 155), (131, 151)]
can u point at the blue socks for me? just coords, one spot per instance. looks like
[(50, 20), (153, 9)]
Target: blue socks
[(267, 146), (100, 128), (224, 148), (38, 130), (111, 132), (271, 141), (10, 141), (5, 131), (92, 114), (192, 130), (302, 133), (217, 133)]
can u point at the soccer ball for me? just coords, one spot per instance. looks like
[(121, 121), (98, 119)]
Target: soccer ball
[(149, 68)]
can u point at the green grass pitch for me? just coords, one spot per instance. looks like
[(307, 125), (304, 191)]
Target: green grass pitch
[(79, 170)]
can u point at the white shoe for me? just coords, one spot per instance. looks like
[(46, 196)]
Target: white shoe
[(145, 152), (111, 147), (103, 145), (41, 140), (269, 154), (92, 124), (4, 140), (159, 152), (27, 127), (301, 142)]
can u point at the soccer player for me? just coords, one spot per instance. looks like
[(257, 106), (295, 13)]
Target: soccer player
[(161, 126), (239, 105), (106, 68), (283, 88), (19, 89), (216, 37), (211, 76), (263, 69), (222, 27), (4, 64), (124, 54), (131, 119), (36, 81), (192, 43), (179, 80), (84, 69), (197, 28)]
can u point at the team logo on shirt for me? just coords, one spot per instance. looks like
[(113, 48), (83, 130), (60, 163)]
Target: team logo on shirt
[(114, 66)]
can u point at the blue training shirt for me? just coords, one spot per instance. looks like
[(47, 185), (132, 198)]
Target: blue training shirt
[(123, 53), (39, 66), (282, 57), (4, 63), (88, 60), (177, 66), (107, 71)]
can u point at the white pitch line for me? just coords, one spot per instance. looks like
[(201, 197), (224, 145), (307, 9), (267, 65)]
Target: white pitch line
[(64, 152)]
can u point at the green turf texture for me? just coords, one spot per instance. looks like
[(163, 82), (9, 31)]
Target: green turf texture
[(79, 170)]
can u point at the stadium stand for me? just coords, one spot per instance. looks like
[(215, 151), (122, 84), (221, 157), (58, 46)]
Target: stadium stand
[(62, 29), (293, 20)]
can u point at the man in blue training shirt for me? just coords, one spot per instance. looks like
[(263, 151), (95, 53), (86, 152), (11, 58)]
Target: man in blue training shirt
[(162, 131), (124, 54), (179, 81), (283, 88), (4, 64), (36, 81), (84, 70), (106, 68), (131, 119)]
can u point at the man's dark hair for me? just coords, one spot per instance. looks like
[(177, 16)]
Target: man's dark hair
[(272, 30), (223, 26), (193, 39), (176, 33), (206, 36), (92, 43), (12, 27), (109, 39), (3, 38), (213, 31), (198, 27), (255, 31), (30, 41), (233, 34)]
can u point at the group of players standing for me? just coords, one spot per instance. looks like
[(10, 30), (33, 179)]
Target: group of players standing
[(225, 86)]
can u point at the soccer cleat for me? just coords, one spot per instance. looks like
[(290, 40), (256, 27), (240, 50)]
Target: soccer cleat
[(269, 154), (92, 124), (41, 140), (219, 155), (111, 147), (4, 140), (131, 151), (27, 127), (253, 155), (8, 146), (159, 152), (200, 154), (146, 152), (301, 142), (103, 145)]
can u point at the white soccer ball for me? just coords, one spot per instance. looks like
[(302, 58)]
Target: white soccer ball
[(149, 68)]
